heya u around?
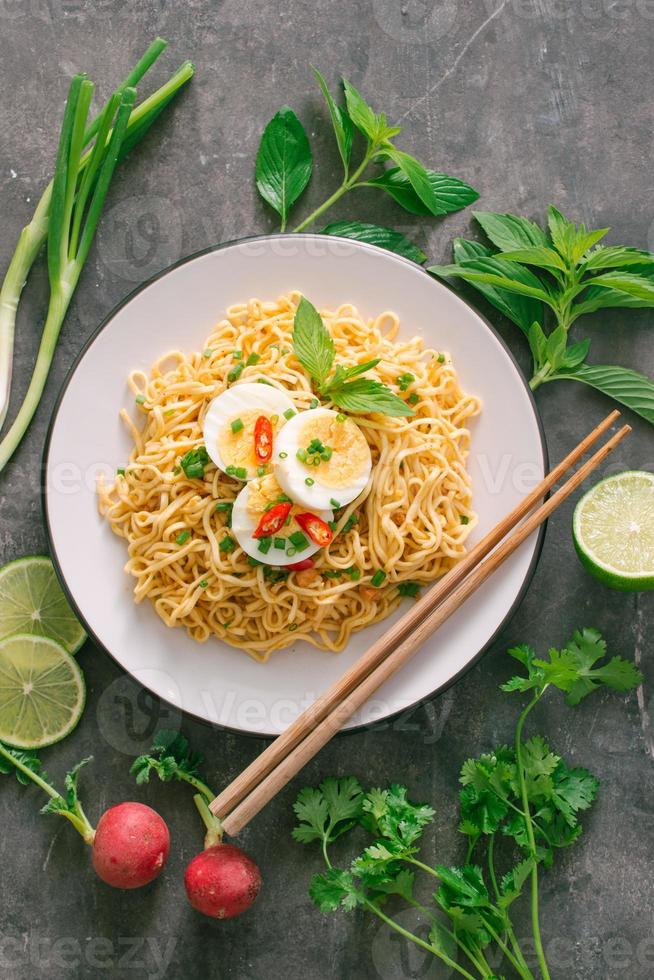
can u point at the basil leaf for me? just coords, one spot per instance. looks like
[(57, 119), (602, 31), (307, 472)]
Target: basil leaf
[(556, 345), (571, 242), (640, 287), (538, 343), (340, 121), (505, 278), (521, 310), (284, 162), (600, 298), (313, 345), (393, 241), (365, 395), (451, 194), (541, 256), (417, 177), (628, 387), (618, 256), (463, 249), (508, 231), (575, 354), (363, 117), (585, 241), (346, 373)]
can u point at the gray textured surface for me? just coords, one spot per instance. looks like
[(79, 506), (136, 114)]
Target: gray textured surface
[(533, 101)]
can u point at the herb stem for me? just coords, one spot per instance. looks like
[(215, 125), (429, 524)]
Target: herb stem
[(418, 941), (347, 185), (535, 924), (524, 972), (214, 827), (422, 866), (478, 962), (491, 866)]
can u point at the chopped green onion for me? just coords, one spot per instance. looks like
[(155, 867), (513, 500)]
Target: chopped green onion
[(409, 589), (350, 522), (287, 521), (285, 350), (333, 525), (182, 537), (194, 462), (230, 470), (253, 561), (301, 454), (413, 398), (237, 425), (274, 419), (253, 359), (177, 469), (314, 403), (405, 380), (289, 413), (235, 373), (120, 472), (261, 470), (315, 461), (326, 454), (237, 355), (332, 573), (227, 624), (292, 628), (441, 358), (265, 545), (340, 417), (290, 552), (140, 399), (283, 455), (298, 540), (335, 504), (224, 505), (241, 473), (204, 583), (309, 481), (207, 352), (263, 381), (227, 544), (464, 519), (280, 543), (354, 573), (378, 578)]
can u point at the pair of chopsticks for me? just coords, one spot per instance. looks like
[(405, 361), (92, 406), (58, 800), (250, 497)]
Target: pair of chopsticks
[(284, 757)]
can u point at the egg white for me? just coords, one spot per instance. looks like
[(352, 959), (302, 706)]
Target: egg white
[(291, 473), (233, 402), (243, 526)]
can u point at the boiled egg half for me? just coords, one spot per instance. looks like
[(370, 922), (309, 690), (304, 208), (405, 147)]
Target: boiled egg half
[(288, 543), (241, 428), (322, 459)]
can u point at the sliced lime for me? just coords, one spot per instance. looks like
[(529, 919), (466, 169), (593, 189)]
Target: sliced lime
[(31, 601), (41, 692), (613, 530)]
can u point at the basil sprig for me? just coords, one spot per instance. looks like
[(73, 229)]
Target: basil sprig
[(284, 165), (544, 280), (314, 349)]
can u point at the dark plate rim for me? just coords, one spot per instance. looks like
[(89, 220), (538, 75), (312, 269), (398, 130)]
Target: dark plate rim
[(388, 719)]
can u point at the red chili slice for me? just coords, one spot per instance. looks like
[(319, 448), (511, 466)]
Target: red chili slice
[(301, 566), (319, 532), (263, 439), (273, 520)]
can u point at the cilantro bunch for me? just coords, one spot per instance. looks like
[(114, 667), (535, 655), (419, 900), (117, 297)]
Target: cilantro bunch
[(545, 280), (285, 162), (524, 794)]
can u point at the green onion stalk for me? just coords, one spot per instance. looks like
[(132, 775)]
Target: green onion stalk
[(67, 216)]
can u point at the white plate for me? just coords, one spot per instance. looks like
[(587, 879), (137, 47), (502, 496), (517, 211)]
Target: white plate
[(177, 310)]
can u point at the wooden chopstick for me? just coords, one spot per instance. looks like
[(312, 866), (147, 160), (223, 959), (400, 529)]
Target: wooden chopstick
[(317, 737), (233, 794)]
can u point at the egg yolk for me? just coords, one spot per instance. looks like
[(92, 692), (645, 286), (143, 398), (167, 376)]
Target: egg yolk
[(237, 448), (268, 491), (350, 451)]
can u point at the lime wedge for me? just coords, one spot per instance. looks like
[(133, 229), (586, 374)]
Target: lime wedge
[(41, 692), (31, 601), (613, 531)]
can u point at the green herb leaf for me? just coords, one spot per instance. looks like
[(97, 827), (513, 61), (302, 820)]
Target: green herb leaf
[(617, 256), (194, 462), (328, 811), (541, 256), (521, 310), (574, 669), (373, 126), (342, 373), (393, 241), (450, 193), (365, 395), (508, 231), (639, 287), (336, 888), (284, 162), (314, 347), (513, 882), (538, 343), (169, 758), (340, 121), (417, 176), (27, 758), (630, 388), (507, 276)]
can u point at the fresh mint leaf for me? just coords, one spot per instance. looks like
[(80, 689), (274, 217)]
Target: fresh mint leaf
[(508, 231), (392, 241), (314, 347), (450, 193), (364, 396), (340, 121), (284, 162), (417, 176), (342, 374), (602, 298), (630, 388), (541, 256)]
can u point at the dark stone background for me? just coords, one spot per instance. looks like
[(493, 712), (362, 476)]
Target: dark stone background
[(532, 101)]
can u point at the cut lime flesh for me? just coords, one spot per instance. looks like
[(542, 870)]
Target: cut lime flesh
[(31, 601), (613, 530), (41, 692)]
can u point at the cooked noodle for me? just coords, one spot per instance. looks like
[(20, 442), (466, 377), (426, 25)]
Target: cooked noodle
[(413, 518)]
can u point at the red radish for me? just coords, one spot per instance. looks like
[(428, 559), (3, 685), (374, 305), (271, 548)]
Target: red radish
[(222, 881), (131, 845)]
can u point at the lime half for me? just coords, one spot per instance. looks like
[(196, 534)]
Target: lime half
[(613, 530), (31, 601), (41, 692)]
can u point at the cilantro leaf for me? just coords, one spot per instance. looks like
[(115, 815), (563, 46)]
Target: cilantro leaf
[(461, 886), (513, 881), (328, 811), (574, 669), (392, 816), (336, 888), (573, 790), (169, 758), (314, 347)]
